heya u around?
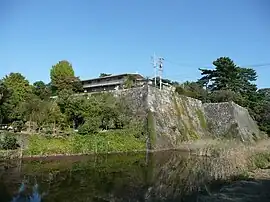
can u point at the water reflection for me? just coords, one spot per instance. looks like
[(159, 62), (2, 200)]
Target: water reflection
[(163, 176), (21, 196)]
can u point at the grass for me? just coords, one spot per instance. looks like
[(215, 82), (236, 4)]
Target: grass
[(187, 133), (110, 141), (201, 118), (260, 160)]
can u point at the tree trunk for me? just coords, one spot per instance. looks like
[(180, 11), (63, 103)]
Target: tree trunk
[(54, 125)]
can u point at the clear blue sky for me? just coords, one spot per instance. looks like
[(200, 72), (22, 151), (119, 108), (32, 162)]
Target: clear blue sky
[(116, 36)]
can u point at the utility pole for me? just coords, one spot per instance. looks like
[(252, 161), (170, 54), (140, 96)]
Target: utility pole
[(160, 68), (154, 63)]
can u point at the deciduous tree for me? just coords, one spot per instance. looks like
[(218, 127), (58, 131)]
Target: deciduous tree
[(63, 77)]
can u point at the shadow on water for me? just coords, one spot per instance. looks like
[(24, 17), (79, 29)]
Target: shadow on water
[(163, 176)]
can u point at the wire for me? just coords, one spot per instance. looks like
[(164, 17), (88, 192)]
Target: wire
[(257, 65), (210, 66)]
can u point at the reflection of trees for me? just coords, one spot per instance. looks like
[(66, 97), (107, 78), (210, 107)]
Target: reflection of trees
[(167, 175)]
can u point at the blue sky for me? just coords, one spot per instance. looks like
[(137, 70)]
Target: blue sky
[(116, 36)]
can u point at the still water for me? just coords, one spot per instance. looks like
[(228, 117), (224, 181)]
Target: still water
[(163, 176)]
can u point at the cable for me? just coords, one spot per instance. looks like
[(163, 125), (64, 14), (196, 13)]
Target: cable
[(257, 65), (210, 66)]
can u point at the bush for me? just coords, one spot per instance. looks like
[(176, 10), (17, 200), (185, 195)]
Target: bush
[(261, 160), (91, 126), (18, 126), (9, 143)]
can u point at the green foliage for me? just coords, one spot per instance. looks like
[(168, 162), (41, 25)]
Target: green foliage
[(18, 125), (130, 81), (104, 75), (91, 126), (41, 90), (4, 96), (201, 118), (63, 77), (111, 141), (225, 96), (20, 90), (228, 82), (9, 142), (192, 89), (261, 160), (228, 76)]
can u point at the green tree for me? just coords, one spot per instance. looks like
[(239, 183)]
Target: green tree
[(130, 81), (4, 96), (228, 82), (21, 91), (33, 110), (63, 77), (90, 126), (223, 77), (41, 90), (104, 74), (75, 108), (228, 76), (55, 118), (192, 89)]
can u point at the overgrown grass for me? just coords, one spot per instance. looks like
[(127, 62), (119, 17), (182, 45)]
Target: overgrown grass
[(201, 118), (110, 141), (260, 160)]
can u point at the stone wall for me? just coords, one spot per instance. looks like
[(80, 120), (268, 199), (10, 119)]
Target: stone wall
[(172, 119), (176, 118), (230, 120)]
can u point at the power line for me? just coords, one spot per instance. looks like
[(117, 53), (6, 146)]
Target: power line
[(256, 65), (211, 66)]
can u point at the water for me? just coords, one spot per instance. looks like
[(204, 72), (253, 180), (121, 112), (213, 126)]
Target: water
[(164, 176)]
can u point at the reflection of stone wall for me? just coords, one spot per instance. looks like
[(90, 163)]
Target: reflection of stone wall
[(172, 119)]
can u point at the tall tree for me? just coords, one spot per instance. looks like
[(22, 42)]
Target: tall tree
[(228, 76), (223, 77), (4, 96), (63, 77), (21, 91), (32, 110), (4, 92)]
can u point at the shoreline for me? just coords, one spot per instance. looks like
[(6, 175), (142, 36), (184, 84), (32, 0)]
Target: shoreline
[(201, 148), (16, 154)]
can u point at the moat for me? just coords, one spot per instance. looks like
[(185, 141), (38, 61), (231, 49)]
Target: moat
[(162, 176)]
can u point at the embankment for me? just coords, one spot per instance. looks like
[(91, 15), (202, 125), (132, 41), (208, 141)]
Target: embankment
[(172, 119)]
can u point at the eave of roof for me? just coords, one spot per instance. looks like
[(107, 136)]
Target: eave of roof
[(111, 76)]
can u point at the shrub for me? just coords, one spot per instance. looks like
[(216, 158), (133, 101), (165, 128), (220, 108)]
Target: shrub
[(9, 143), (261, 160), (18, 126), (91, 126)]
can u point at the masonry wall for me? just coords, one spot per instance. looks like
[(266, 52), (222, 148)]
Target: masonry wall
[(171, 119)]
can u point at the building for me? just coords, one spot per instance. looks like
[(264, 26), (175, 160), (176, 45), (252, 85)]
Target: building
[(108, 83)]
